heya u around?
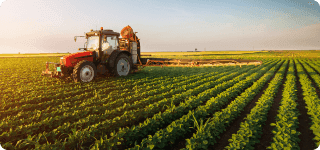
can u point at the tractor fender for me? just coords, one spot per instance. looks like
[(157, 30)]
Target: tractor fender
[(114, 56)]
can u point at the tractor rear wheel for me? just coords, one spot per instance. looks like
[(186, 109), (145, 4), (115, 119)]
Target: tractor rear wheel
[(123, 65), (84, 71)]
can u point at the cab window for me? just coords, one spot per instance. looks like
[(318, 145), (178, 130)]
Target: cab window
[(110, 41)]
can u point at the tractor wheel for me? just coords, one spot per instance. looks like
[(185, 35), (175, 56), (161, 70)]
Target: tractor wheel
[(84, 71), (123, 65)]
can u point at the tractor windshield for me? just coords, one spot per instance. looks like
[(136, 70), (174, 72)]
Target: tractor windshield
[(93, 43)]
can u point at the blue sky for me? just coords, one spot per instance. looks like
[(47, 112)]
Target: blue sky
[(46, 26)]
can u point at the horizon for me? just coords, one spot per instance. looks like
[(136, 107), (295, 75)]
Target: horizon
[(178, 51)]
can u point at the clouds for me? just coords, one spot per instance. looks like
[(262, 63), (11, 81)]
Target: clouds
[(24, 18), (46, 25)]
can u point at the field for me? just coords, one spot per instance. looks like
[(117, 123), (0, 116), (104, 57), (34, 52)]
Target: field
[(272, 106)]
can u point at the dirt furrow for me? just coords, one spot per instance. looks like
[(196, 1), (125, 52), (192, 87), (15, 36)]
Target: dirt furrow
[(308, 74)]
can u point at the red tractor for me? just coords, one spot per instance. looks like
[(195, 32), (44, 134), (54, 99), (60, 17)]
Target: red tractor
[(104, 53)]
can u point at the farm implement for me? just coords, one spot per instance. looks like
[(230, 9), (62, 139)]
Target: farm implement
[(104, 52), (196, 62)]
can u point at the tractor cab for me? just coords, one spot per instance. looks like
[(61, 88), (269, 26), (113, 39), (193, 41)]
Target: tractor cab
[(103, 42)]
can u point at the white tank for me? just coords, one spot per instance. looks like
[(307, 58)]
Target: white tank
[(133, 51)]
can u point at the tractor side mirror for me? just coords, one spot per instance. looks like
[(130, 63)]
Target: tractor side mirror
[(75, 39)]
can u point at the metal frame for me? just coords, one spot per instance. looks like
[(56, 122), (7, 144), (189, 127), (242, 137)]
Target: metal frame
[(47, 71), (199, 63), (53, 73)]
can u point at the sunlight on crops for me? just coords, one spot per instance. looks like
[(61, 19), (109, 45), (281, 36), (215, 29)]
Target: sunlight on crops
[(159, 107)]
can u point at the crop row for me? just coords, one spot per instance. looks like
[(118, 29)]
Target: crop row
[(160, 120), (216, 124), (70, 117), (313, 74), (314, 64), (73, 104), (285, 133), (119, 83), (312, 100), (56, 118), (90, 119), (132, 116), (251, 129), (36, 102), (37, 97), (180, 127)]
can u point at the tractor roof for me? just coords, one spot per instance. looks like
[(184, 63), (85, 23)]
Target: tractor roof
[(108, 32)]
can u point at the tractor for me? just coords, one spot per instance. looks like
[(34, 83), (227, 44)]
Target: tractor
[(104, 52)]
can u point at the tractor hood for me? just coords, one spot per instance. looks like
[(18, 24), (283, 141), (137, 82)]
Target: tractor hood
[(72, 59)]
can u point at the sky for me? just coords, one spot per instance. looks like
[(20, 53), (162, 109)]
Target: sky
[(47, 26)]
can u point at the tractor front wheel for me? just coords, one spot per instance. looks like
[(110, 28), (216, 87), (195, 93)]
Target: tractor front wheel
[(84, 71)]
